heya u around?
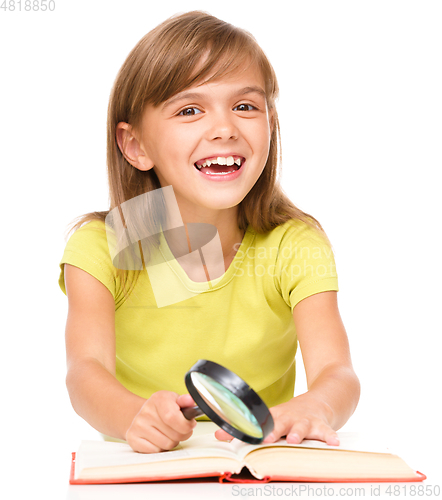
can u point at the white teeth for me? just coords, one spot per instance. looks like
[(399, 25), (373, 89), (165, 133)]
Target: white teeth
[(217, 173), (229, 161)]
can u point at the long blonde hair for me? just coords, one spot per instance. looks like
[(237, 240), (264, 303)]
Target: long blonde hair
[(163, 64)]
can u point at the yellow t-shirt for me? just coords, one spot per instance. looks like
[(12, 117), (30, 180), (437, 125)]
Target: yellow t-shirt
[(243, 322)]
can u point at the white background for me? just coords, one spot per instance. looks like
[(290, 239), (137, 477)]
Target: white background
[(360, 110)]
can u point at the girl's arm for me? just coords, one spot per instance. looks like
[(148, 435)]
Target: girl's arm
[(333, 387), (96, 395)]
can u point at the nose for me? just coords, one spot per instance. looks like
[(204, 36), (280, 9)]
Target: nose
[(223, 126)]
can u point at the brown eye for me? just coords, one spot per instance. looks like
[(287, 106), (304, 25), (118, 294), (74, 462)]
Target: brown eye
[(244, 107), (189, 112)]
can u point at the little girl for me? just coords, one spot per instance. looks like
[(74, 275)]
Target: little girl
[(193, 111)]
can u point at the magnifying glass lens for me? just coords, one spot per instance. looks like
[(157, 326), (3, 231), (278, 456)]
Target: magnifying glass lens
[(226, 405)]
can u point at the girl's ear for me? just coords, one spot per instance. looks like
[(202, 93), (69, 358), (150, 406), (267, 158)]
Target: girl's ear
[(130, 147)]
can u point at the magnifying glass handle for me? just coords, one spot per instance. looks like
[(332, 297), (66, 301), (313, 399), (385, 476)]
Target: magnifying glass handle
[(192, 412)]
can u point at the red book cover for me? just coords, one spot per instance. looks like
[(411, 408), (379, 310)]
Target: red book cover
[(234, 478)]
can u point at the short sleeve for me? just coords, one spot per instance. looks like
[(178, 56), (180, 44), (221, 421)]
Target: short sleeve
[(305, 264), (88, 250)]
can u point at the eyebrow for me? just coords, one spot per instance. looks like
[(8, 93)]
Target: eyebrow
[(196, 95)]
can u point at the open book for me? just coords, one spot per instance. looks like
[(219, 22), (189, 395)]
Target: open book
[(356, 459)]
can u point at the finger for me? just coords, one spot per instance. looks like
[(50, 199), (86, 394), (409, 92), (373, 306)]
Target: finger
[(282, 425), (141, 445), (318, 430), (170, 424), (148, 426), (299, 431), (222, 435), (323, 432), (171, 420), (332, 439), (152, 441), (162, 413), (185, 400), (271, 438), (188, 408)]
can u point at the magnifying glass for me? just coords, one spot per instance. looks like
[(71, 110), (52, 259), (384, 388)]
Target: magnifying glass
[(228, 401)]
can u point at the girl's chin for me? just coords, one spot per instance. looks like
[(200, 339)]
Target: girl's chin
[(202, 199)]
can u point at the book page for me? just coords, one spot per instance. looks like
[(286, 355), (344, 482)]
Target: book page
[(349, 441), (93, 454)]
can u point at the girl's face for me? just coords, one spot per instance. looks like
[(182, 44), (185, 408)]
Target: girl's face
[(223, 121)]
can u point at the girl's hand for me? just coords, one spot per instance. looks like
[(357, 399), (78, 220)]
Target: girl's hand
[(303, 417), (160, 424)]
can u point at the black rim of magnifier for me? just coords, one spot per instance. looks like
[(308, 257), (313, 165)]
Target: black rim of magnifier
[(240, 389)]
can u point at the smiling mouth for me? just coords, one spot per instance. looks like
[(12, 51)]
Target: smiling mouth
[(220, 165)]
